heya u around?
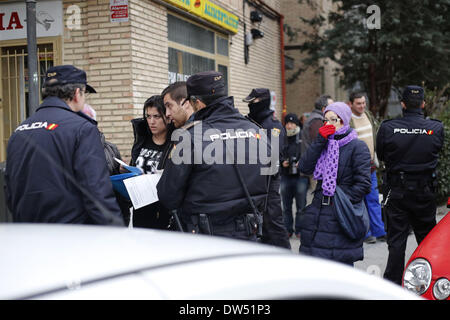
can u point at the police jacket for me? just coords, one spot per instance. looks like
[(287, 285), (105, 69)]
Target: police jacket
[(197, 185), (321, 234), (410, 143), (56, 169), (267, 120)]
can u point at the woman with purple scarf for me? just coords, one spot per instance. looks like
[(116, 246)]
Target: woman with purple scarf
[(336, 157)]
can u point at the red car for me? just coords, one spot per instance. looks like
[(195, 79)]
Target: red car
[(428, 270)]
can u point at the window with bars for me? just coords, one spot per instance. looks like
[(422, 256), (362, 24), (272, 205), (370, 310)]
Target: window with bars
[(14, 86)]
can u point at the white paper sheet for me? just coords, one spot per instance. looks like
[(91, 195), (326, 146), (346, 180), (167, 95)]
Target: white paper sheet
[(142, 189), (129, 168)]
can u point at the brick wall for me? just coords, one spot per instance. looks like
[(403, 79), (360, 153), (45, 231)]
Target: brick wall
[(103, 50), (264, 67), (128, 62), (301, 94), (150, 60)]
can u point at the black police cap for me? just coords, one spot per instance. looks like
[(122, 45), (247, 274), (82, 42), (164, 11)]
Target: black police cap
[(291, 117), (208, 83), (413, 93), (261, 93), (66, 74)]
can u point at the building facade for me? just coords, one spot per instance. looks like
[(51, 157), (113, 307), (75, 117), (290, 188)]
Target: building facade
[(310, 84), (132, 49)]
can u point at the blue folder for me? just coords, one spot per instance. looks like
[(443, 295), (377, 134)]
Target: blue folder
[(117, 180)]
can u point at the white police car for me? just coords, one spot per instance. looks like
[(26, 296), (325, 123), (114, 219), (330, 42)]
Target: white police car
[(43, 261)]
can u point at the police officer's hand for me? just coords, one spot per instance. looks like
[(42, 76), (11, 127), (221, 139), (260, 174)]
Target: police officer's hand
[(285, 164), (327, 130)]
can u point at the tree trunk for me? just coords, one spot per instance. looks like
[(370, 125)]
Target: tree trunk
[(373, 98), (385, 85)]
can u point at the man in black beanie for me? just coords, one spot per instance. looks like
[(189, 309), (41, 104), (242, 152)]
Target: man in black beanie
[(293, 184)]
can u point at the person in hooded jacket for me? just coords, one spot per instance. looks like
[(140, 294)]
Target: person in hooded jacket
[(336, 157), (150, 143), (274, 230)]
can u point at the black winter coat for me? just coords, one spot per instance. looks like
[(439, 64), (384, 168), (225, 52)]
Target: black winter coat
[(291, 149), (410, 143), (274, 231), (320, 233), (267, 120), (56, 170), (214, 188)]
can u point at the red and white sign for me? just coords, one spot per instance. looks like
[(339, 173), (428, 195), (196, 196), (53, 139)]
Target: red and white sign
[(119, 10), (13, 15)]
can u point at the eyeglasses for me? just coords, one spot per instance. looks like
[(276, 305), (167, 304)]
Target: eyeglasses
[(154, 116), (334, 120)]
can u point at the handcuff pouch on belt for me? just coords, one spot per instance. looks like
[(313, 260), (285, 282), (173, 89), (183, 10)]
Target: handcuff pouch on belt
[(201, 223), (400, 182)]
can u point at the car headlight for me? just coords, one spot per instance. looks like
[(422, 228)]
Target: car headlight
[(441, 289), (417, 277)]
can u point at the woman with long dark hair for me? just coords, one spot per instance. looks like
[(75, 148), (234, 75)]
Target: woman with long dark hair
[(151, 135)]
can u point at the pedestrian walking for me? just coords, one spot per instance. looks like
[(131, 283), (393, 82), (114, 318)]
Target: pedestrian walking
[(293, 184), (274, 230), (336, 158), (216, 197), (366, 126), (150, 143), (409, 147), (56, 170)]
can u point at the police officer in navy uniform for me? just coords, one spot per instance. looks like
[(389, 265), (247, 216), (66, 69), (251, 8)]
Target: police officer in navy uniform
[(409, 147), (274, 230), (56, 170), (202, 176)]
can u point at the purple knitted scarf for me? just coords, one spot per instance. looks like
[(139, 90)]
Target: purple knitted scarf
[(327, 165)]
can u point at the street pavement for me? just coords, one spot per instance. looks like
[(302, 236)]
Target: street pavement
[(376, 254)]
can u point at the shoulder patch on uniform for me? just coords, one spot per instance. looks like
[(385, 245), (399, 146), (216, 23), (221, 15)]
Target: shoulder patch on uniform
[(251, 120), (276, 132), (190, 124)]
